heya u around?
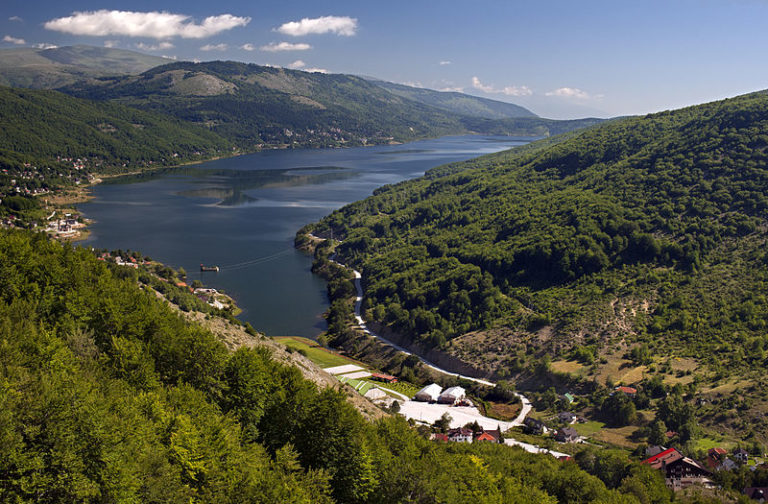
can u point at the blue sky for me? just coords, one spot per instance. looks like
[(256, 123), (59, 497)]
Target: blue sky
[(559, 58)]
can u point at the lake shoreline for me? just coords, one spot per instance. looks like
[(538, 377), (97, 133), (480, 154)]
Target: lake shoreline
[(242, 214)]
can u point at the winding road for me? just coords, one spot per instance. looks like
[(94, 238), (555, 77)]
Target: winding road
[(526, 404)]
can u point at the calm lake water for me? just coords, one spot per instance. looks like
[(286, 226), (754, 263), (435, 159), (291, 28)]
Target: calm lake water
[(242, 214)]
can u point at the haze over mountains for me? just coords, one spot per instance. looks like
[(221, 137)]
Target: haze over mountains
[(250, 106), (60, 66)]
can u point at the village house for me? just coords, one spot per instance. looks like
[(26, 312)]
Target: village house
[(679, 471), (567, 435), (630, 391), (715, 457), (741, 455), (493, 436), (654, 450), (534, 426), (382, 377), (566, 417), (460, 435)]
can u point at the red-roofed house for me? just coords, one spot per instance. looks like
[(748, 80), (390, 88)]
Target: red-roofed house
[(630, 391), (715, 457), (679, 471), (383, 377), (493, 436)]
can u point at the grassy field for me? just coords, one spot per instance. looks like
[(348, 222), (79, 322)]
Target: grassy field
[(361, 386), (588, 429), (706, 443), (570, 367), (402, 387), (327, 358), (316, 353)]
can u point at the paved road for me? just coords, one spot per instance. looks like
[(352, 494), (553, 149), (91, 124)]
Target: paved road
[(526, 404)]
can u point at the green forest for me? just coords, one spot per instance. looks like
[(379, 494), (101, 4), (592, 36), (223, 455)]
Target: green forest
[(39, 126), (664, 215), (108, 395)]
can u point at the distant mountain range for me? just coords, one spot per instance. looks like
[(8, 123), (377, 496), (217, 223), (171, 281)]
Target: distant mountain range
[(457, 103), (61, 66), (252, 104), (249, 106)]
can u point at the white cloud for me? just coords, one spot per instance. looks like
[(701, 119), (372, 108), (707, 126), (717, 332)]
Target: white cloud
[(315, 70), (45, 45), (15, 18), (169, 57), (157, 25), (155, 47), (482, 87), (415, 84), (446, 62), (508, 90), (340, 25), (297, 64), (214, 47), (111, 43), (457, 89), (248, 47), (567, 92), (14, 40), (517, 91), (285, 46)]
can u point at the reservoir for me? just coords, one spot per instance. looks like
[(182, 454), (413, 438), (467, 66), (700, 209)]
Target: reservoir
[(242, 214)]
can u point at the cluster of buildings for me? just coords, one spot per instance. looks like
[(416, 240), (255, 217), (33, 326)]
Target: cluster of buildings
[(207, 295), (68, 226), (130, 261), (681, 471), (718, 459), (467, 435), (434, 393)]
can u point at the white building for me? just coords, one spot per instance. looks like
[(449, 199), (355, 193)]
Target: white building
[(452, 395), (430, 393)]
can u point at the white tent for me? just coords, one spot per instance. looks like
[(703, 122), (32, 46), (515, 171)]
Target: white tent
[(428, 393), (451, 395)]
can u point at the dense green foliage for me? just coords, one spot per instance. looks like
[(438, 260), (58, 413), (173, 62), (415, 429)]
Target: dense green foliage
[(107, 395), (664, 214), (38, 127), (251, 104)]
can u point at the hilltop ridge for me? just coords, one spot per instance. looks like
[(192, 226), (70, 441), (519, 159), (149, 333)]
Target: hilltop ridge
[(639, 241)]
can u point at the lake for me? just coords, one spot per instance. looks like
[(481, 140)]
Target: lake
[(242, 214)]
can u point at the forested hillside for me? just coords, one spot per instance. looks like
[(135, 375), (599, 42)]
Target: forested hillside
[(108, 395), (646, 232), (254, 105), (39, 126)]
